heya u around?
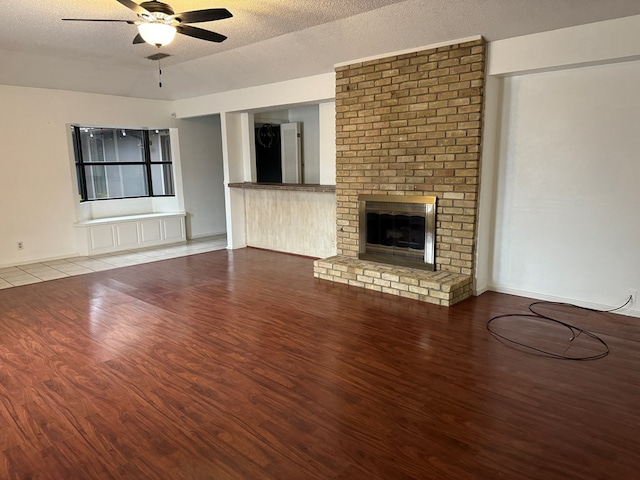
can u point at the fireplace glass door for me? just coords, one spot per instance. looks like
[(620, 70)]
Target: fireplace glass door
[(398, 230)]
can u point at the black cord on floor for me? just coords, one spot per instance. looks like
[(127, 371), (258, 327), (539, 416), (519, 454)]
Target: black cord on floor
[(575, 331)]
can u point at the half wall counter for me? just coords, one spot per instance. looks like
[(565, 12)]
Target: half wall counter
[(292, 218)]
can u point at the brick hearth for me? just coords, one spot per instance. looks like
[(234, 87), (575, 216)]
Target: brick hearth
[(441, 288)]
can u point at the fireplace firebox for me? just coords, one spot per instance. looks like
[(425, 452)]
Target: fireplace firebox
[(399, 230)]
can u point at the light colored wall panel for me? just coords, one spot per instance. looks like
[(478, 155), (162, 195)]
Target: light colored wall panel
[(173, 229), (127, 234), (101, 237), (150, 231), (291, 221)]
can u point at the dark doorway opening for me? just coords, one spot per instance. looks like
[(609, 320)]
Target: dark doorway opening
[(268, 154)]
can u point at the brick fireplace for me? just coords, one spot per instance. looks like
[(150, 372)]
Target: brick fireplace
[(411, 124)]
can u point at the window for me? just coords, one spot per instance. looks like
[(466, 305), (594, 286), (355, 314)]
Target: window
[(122, 163)]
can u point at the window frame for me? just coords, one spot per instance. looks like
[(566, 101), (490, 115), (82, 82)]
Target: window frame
[(146, 163)]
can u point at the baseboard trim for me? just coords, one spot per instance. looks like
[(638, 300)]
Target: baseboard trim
[(630, 311)]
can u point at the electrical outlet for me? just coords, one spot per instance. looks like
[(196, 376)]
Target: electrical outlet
[(633, 294), (20, 245)]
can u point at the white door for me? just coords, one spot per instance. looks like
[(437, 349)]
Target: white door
[(291, 153)]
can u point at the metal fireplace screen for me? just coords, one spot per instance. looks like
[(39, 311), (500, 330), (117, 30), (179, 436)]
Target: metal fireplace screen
[(398, 230)]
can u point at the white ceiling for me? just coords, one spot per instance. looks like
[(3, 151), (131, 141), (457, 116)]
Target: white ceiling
[(269, 40)]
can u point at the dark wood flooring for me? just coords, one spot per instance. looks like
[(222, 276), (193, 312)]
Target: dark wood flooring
[(241, 365)]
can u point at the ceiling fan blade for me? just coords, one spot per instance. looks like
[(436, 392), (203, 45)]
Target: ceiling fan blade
[(134, 6), (208, 15), (196, 32), (138, 39), (130, 22)]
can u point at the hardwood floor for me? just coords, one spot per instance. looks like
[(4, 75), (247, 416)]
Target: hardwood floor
[(241, 365)]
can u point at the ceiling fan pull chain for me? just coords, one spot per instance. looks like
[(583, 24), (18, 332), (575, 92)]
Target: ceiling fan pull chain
[(159, 75)]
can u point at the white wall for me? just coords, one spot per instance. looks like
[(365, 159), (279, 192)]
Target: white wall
[(236, 141), (237, 133), (327, 143), (583, 45), (286, 94), (566, 165), (202, 175), (37, 195)]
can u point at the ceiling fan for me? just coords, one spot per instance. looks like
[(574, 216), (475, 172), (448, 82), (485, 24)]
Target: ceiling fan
[(158, 24)]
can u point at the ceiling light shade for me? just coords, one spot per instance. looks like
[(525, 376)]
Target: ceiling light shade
[(158, 34)]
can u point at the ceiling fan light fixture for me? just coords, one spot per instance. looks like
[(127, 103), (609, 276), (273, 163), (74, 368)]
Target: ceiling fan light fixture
[(158, 34)]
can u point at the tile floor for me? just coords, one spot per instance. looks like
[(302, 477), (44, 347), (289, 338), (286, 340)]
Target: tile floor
[(43, 271)]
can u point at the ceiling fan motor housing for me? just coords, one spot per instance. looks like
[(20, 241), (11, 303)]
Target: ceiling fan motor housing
[(157, 7)]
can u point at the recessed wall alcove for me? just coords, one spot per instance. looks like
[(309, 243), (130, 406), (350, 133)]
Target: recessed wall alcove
[(410, 124)]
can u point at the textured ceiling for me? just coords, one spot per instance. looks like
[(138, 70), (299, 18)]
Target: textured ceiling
[(268, 40), (36, 26)]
